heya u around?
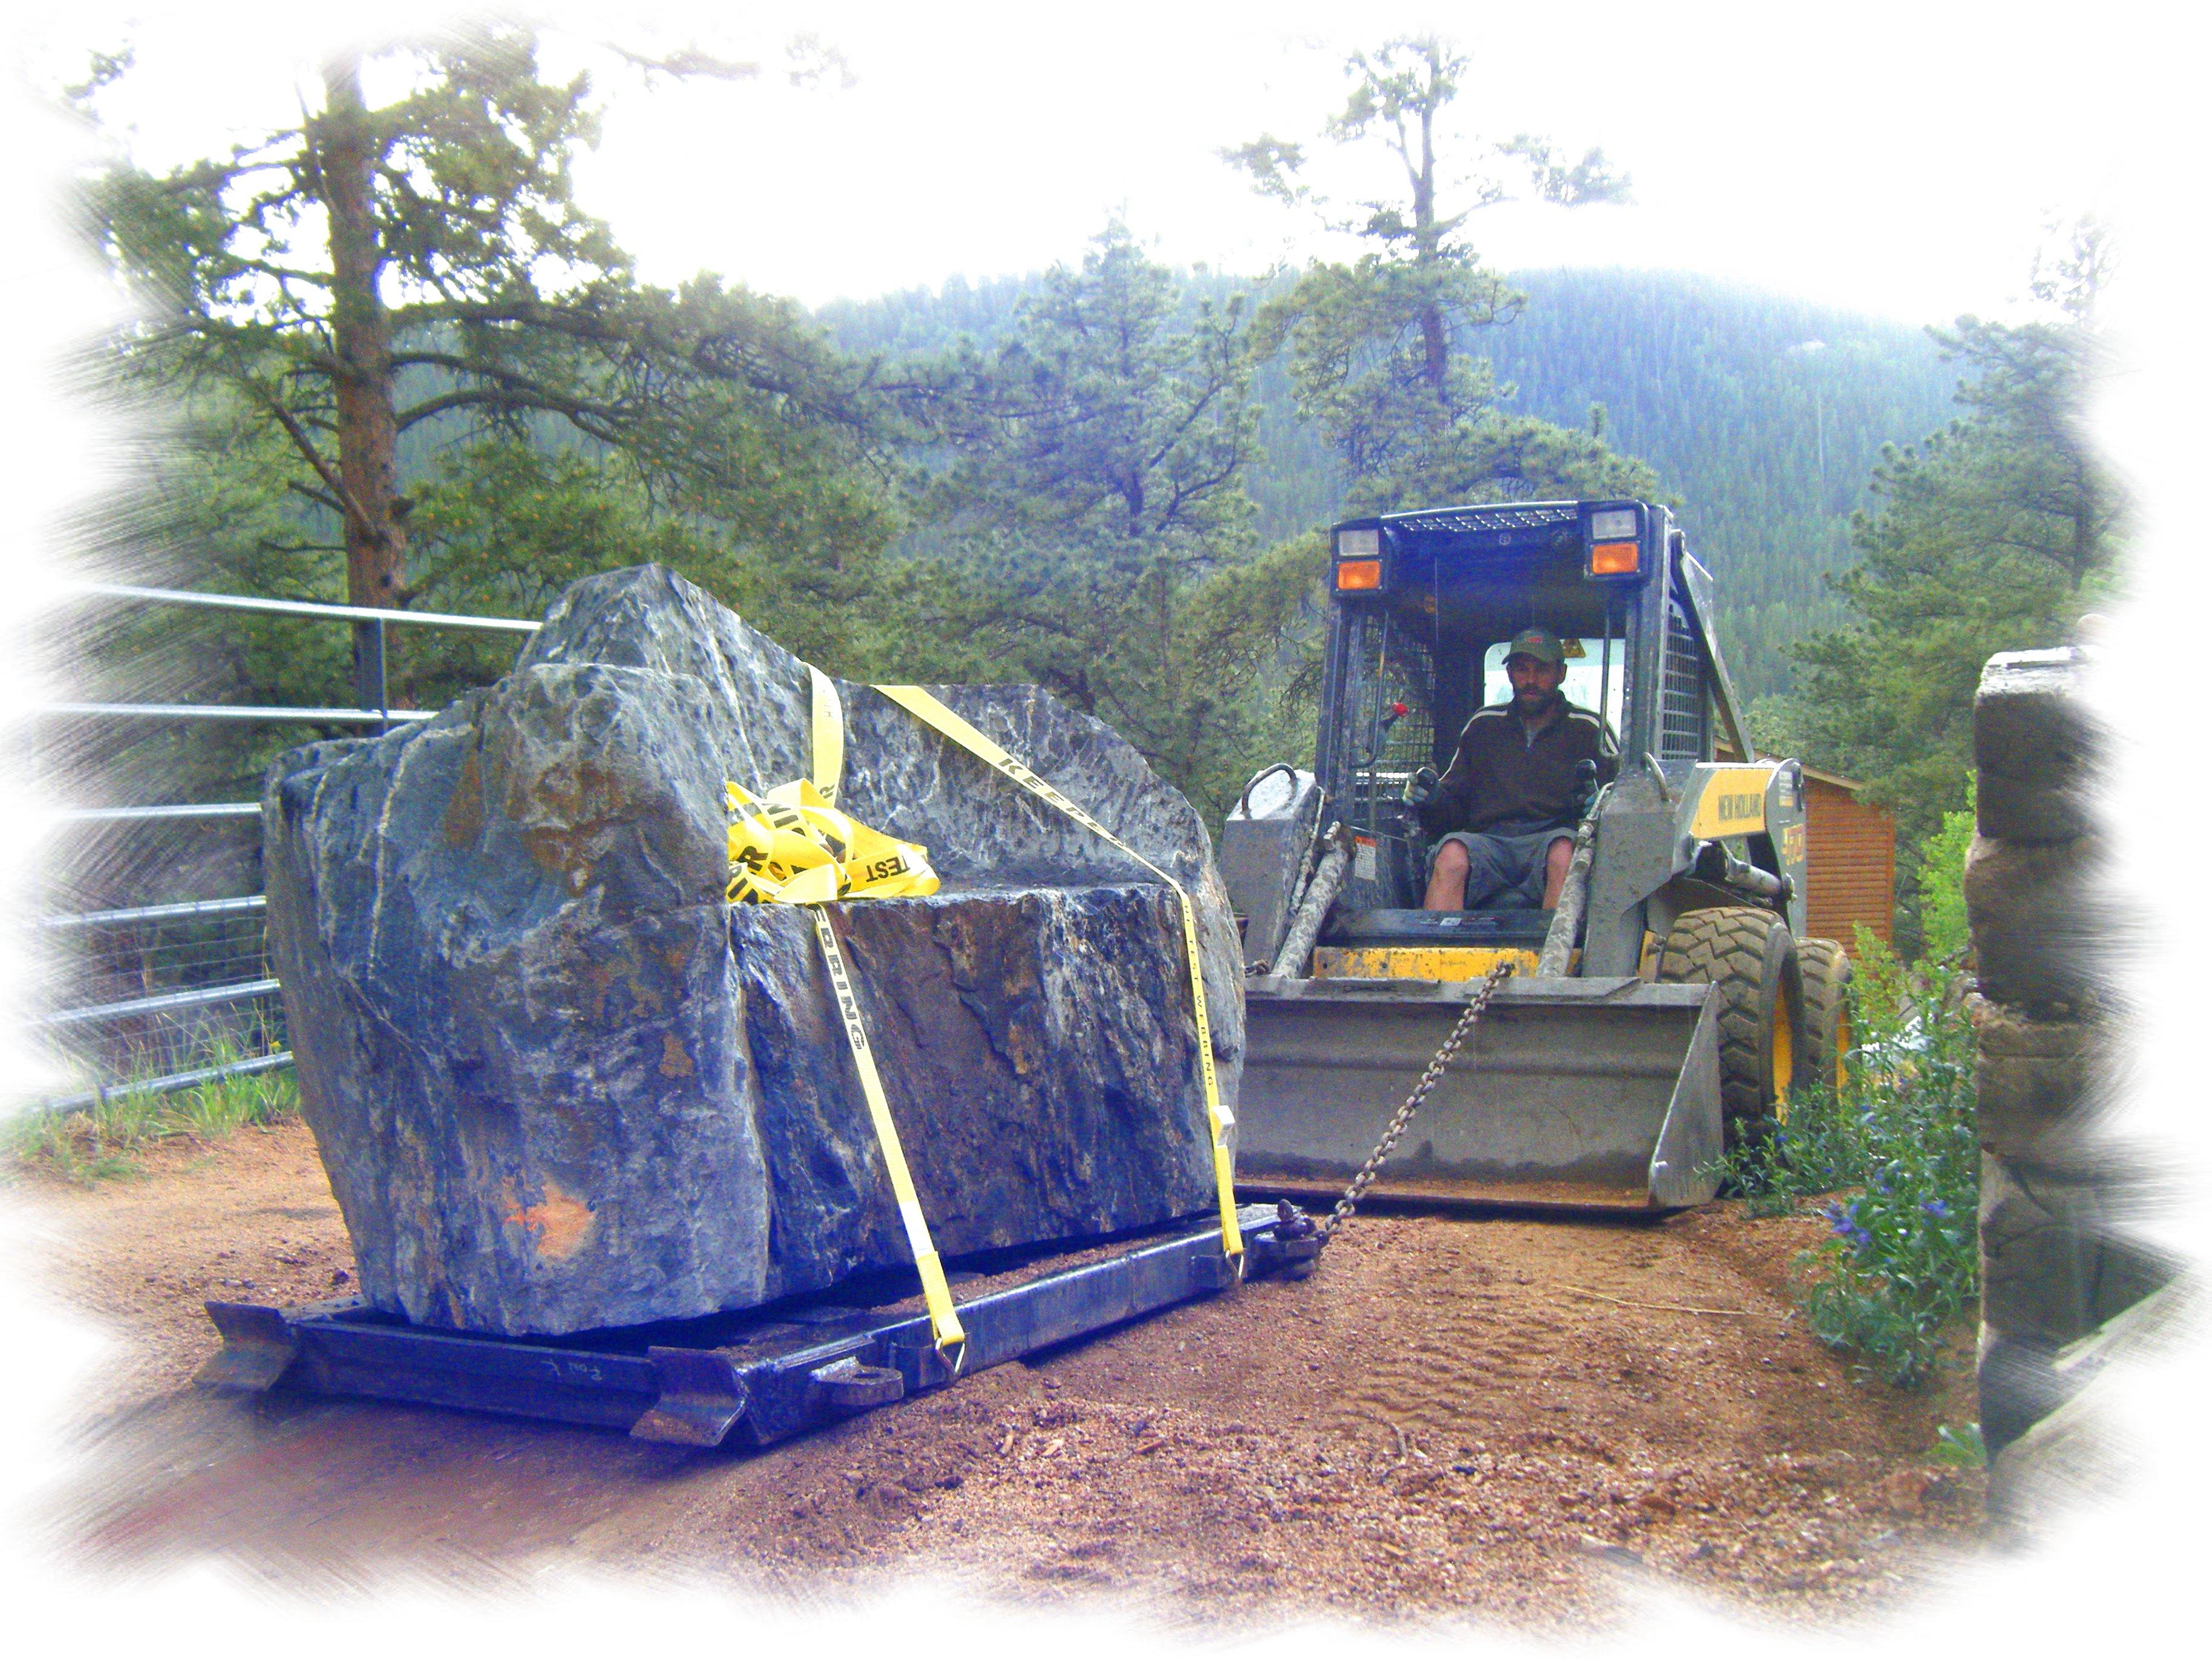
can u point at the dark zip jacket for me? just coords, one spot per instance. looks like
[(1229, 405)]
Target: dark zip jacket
[(1506, 781)]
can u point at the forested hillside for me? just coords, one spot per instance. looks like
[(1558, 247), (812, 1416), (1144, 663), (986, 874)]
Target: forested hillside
[(1762, 414)]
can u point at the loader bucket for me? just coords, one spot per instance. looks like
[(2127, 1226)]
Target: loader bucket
[(1576, 1093)]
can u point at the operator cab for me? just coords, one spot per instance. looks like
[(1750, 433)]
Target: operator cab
[(1422, 606)]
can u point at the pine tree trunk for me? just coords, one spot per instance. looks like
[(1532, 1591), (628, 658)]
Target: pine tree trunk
[(360, 338), (1428, 252)]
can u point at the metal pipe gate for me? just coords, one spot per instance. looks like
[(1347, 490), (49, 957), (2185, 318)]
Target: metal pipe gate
[(229, 971)]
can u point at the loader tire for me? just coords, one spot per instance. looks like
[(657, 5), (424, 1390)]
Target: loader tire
[(1749, 954), (1826, 972)]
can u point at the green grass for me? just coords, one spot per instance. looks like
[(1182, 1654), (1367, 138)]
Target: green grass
[(102, 1142), (1959, 1446), (1895, 1155)]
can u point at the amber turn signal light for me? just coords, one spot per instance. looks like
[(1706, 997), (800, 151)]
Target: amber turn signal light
[(1360, 572), (1612, 559)]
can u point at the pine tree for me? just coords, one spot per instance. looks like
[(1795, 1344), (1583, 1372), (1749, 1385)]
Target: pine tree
[(374, 278), (1995, 534), (1381, 348), (395, 364), (1097, 533)]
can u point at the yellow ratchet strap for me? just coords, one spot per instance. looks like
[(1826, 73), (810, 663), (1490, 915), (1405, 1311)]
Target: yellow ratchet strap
[(792, 846), (934, 714), (945, 1329)]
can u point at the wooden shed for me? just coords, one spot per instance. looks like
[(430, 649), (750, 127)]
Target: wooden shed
[(1851, 861)]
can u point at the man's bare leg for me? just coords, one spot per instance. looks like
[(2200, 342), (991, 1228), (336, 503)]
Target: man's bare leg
[(1557, 857), (1447, 881)]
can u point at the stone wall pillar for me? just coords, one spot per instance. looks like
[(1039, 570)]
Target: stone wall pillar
[(2056, 1263)]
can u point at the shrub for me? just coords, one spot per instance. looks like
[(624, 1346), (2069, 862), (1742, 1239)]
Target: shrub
[(1942, 884), (1901, 1263), (1896, 1154)]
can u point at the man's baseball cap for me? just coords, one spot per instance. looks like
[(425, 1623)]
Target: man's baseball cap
[(1542, 643)]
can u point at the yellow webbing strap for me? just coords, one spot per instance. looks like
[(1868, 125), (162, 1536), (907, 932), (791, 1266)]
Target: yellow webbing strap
[(945, 1327), (792, 846), (934, 714)]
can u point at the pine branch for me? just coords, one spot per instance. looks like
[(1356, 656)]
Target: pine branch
[(313, 456)]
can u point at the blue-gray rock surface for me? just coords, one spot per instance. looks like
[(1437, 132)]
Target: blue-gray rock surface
[(559, 1083)]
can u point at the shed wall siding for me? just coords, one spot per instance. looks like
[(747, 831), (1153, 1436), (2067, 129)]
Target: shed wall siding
[(1850, 857)]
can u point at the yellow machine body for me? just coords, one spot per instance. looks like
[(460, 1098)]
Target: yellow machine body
[(1444, 964)]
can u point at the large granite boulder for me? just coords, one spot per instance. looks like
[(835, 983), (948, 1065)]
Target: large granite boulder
[(559, 1083)]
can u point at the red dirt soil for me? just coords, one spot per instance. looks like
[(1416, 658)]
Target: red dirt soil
[(1498, 1417)]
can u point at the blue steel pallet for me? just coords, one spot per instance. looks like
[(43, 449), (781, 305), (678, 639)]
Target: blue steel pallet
[(746, 1380)]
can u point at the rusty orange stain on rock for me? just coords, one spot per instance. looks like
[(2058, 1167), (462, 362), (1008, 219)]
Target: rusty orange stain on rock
[(563, 812), (465, 812), (557, 1224), (625, 968), (674, 1062)]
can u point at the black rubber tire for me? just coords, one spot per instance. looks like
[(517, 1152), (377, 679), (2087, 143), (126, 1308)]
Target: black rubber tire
[(1825, 973), (1749, 954)]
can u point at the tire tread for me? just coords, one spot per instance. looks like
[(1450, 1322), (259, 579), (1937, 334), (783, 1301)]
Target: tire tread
[(1727, 946), (1825, 971)]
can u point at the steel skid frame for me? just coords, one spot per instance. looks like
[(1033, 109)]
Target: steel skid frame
[(740, 1379)]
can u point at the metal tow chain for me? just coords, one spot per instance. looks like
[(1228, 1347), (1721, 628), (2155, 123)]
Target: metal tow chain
[(1438, 1066)]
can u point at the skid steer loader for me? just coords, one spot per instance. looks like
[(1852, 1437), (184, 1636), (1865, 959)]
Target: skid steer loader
[(1664, 1009)]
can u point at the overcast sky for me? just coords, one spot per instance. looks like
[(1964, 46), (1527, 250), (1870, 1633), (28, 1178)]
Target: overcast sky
[(1897, 159)]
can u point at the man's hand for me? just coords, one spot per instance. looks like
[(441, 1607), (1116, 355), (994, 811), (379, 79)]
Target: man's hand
[(1419, 786)]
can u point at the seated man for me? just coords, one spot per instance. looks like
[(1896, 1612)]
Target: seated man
[(1506, 807)]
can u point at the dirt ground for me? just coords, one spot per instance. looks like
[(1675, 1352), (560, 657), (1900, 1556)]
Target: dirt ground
[(1504, 1418)]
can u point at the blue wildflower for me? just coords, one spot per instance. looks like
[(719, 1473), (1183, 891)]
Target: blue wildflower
[(1845, 1223), (1936, 1207)]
